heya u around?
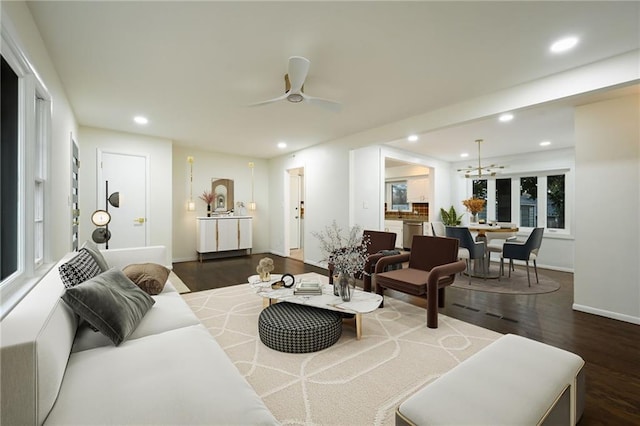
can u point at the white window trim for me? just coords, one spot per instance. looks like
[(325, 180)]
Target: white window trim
[(30, 86), (542, 199)]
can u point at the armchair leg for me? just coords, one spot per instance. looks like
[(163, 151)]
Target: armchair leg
[(528, 279), (432, 307), (535, 268)]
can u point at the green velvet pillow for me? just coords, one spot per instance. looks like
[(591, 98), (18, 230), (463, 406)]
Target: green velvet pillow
[(111, 303)]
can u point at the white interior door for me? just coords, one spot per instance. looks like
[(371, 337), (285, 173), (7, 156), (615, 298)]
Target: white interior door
[(126, 174), (294, 213)]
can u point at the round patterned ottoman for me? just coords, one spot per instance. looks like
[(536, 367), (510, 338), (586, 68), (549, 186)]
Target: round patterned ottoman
[(292, 328)]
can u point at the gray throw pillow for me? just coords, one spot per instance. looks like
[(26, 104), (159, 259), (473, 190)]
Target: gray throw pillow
[(111, 303), (95, 252), (79, 269)]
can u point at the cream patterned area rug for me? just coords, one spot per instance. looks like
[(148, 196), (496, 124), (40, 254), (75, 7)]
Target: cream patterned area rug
[(354, 382)]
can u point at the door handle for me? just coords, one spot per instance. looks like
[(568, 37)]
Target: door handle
[(139, 220)]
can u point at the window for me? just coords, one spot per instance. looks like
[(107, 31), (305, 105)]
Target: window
[(25, 120), (529, 201), (399, 196), (503, 200), (555, 201), (9, 172), (480, 191)]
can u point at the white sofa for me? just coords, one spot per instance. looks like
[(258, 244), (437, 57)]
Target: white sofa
[(169, 371)]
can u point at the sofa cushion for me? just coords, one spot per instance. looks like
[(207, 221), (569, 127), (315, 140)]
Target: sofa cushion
[(94, 251), (79, 269), (180, 377), (111, 303), (169, 313), (150, 277)]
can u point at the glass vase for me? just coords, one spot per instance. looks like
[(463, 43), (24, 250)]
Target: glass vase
[(346, 285)]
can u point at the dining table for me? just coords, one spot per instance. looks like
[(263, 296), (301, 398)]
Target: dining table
[(482, 229)]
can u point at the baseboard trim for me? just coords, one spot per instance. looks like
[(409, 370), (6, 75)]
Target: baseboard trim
[(607, 314)]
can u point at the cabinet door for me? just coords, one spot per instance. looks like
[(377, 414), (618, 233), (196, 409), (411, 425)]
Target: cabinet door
[(227, 234), (417, 190), (206, 235), (245, 236)]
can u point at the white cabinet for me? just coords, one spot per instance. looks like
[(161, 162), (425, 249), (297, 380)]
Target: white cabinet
[(418, 190), (394, 226), (223, 234)]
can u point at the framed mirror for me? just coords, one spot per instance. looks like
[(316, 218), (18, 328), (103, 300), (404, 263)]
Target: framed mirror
[(223, 190)]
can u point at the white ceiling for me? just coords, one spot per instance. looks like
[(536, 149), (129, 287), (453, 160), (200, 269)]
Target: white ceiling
[(193, 67)]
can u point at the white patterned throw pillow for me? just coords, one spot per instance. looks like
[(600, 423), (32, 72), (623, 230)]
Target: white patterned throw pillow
[(79, 269)]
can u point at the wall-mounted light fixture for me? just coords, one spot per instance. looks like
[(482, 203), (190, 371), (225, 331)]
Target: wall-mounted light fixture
[(252, 203), (191, 205)]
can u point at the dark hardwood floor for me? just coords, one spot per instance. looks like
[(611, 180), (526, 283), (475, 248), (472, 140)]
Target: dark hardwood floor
[(610, 348)]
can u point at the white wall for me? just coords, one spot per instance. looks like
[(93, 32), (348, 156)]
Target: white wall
[(17, 19), (366, 192), (326, 179), (158, 151), (207, 165), (607, 277)]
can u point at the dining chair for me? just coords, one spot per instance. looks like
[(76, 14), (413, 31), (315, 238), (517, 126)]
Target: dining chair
[(526, 251), (495, 241), (469, 249), (379, 242), (433, 265), (438, 229)]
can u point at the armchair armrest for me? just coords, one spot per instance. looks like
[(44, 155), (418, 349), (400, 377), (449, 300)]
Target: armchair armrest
[(385, 261), (445, 270)]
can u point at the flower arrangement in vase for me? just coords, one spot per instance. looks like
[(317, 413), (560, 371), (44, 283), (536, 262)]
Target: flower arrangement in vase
[(208, 197), (348, 254), (474, 206)]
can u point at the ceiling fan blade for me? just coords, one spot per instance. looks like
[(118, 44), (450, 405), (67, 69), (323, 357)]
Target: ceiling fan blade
[(298, 69), (325, 103), (279, 98)]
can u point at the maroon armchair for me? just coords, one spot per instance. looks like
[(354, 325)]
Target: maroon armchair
[(433, 265), (378, 241)]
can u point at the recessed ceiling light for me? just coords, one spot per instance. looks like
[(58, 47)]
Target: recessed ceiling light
[(545, 143), (464, 155), (564, 44), (506, 117), (140, 119), (282, 145), (412, 138)]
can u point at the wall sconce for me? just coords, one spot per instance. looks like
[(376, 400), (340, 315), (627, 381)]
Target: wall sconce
[(191, 205), (252, 204)]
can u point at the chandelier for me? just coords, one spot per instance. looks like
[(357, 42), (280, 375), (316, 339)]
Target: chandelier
[(478, 172)]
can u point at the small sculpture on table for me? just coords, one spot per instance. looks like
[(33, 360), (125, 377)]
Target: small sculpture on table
[(264, 268)]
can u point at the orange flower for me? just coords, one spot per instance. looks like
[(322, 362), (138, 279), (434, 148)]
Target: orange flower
[(474, 205)]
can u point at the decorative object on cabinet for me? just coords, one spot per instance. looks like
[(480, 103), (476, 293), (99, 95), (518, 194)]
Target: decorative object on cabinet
[(191, 206), (477, 172), (208, 197), (252, 203), (264, 268), (450, 217), (223, 190)]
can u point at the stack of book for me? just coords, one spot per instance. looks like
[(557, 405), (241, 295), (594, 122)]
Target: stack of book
[(307, 288)]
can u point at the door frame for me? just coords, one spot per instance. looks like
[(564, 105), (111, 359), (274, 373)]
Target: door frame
[(147, 205), (287, 208)]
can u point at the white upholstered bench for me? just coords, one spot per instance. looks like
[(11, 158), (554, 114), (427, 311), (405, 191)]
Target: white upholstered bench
[(513, 381)]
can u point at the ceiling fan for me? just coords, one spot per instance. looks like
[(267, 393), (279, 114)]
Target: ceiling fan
[(294, 86)]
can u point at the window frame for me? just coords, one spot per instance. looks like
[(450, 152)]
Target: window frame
[(34, 133), (541, 176)]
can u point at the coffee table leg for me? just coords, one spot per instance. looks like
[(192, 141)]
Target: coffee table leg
[(358, 326)]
